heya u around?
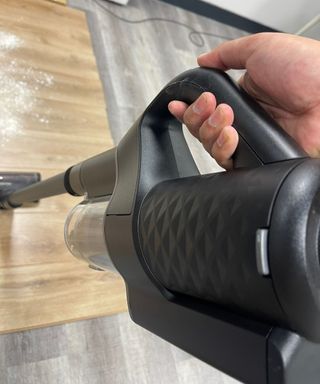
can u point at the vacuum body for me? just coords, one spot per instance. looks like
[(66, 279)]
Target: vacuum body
[(224, 265), (245, 240)]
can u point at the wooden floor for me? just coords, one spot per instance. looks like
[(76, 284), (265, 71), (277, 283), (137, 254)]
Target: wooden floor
[(52, 115)]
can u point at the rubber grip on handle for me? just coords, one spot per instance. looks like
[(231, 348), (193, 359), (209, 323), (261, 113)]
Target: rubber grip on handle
[(198, 237)]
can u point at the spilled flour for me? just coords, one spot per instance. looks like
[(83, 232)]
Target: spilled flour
[(19, 84), (9, 41)]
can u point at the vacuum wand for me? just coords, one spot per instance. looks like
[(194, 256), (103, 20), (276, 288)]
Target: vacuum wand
[(93, 177)]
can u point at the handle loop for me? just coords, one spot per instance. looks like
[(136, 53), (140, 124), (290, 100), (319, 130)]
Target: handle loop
[(262, 140)]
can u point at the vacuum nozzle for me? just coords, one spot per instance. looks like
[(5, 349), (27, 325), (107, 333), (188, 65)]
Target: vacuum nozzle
[(13, 181)]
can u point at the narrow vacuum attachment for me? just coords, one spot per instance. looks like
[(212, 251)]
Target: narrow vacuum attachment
[(13, 181), (94, 177)]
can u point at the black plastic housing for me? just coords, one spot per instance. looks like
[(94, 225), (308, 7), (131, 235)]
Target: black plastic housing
[(198, 237), (185, 244), (294, 248)]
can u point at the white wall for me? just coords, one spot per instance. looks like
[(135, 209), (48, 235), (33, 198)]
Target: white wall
[(285, 15)]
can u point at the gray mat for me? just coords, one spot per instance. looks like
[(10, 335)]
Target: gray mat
[(110, 350)]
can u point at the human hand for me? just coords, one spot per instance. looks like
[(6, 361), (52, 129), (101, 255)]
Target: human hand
[(282, 74)]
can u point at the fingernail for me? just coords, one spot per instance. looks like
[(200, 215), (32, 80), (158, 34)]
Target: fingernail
[(221, 140), (199, 106), (214, 119)]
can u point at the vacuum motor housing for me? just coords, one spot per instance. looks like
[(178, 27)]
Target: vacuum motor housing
[(225, 265), (244, 240), (247, 240)]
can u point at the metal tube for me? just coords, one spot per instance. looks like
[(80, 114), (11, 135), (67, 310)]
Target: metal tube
[(95, 177), (46, 188)]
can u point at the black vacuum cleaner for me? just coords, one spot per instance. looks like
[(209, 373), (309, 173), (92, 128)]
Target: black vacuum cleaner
[(225, 265)]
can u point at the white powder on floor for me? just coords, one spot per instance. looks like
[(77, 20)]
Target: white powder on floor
[(19, 85), (8, 41)]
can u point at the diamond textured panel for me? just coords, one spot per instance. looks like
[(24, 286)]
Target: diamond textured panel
[(197, 235)]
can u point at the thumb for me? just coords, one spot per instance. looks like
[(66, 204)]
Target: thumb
[(232, 54)]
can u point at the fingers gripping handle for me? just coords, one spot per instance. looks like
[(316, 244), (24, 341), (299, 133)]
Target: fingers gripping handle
[(262, 140)]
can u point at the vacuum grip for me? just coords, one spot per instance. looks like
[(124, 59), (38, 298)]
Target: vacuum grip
[(262, 140), (199, 236)]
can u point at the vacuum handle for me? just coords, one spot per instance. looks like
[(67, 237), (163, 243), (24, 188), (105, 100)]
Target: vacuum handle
[(262, 140)]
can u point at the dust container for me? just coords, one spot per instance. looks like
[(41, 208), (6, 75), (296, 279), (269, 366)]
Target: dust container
[(84, 233)]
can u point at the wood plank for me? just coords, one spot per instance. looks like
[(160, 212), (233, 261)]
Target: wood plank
[(52, 293), (52, 116)]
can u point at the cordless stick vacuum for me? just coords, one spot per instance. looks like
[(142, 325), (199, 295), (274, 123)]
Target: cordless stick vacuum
[(224, 265)]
